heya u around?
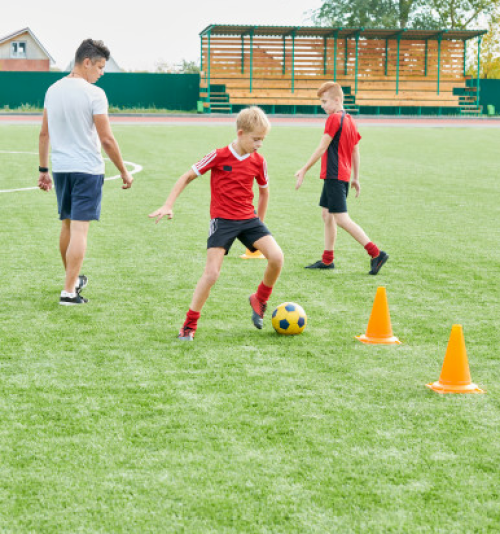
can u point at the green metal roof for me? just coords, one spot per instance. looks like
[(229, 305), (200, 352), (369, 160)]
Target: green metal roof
[(340, 32)]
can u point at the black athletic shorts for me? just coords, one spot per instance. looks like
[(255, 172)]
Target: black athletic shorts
[(223, 232), (78, 195), (334, 195)]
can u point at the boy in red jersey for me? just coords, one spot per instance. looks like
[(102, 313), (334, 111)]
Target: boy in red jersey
[(338, 150), (233, 170)]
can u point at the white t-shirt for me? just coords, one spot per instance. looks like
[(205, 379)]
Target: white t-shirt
[(71, 104)]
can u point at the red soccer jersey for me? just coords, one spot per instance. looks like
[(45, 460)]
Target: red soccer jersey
[(231, 182), (336, 161)]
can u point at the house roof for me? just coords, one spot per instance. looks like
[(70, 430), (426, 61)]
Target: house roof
[(340, 32), (24, 30)]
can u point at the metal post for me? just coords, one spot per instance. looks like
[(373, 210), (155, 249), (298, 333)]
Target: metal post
[(201, 52), (345, 57), (242, 54), (335, 56), (356, 67), (284, 56), (397, 67), (386, 54), (325, 44), (293, 61), (439, 59), (251, 59), (208, 72), (465, 54), (478, 67), (426, 55)]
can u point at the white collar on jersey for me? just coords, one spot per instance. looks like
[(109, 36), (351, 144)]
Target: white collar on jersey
[(236, 155)]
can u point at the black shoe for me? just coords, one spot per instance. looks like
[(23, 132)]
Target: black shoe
[(82, 283), (320, 265), (376, 263), (72, 301)]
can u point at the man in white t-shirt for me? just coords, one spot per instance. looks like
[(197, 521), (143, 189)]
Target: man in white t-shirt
[(76, 124)]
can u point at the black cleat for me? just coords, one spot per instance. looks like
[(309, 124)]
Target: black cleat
[(320, 265), (72, 301), (377, 263), (82, 283)]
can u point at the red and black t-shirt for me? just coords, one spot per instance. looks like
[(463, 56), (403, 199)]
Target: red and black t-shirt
[(336, 161), (231, 181)]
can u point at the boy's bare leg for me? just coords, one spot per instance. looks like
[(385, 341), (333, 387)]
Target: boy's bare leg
[(344, 221), (75, 253), (258, 300), (272, 251), (330, 229), (215, 257)]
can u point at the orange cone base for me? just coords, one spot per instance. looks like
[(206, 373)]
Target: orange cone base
[(438, 387), (393, 340), (257, 255)]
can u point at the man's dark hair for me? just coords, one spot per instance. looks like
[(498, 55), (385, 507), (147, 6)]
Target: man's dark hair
[(94, 50)]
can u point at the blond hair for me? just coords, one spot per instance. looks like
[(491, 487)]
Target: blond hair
[(252, 119), (333, 89)]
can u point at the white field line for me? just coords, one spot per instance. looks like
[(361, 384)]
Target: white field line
[(135, 169)]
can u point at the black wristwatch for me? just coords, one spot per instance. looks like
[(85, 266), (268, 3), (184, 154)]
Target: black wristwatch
[(43, 169)]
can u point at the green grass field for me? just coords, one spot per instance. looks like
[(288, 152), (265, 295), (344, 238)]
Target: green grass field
[(109, 424)]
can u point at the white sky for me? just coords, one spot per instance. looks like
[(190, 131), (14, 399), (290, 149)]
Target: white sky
[(140, 34)]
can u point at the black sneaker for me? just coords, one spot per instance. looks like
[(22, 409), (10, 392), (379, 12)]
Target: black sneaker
[(72, 301), (376, 263), (82, 283), (320, 265)]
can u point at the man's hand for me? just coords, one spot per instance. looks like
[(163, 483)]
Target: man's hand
[(160, 213), (356, 185), (45, 181), (127, 180), (300, 174)]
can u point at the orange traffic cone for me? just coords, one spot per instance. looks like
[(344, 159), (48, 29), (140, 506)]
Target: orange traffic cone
[(455, 374), (249, 255), (379, 331)]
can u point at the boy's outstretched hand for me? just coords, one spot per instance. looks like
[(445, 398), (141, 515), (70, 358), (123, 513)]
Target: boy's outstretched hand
[(160, 213), (355, 185), (300, 174)]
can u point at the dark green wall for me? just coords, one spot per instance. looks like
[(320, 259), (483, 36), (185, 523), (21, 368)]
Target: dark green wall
[(490, 94), (131, 90)]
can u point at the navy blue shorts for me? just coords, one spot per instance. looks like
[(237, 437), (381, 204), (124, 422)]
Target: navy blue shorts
[(223, 232), (79, 195), (334, 195)]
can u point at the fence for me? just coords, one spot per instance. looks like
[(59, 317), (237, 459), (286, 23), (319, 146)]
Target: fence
[(124, 90)]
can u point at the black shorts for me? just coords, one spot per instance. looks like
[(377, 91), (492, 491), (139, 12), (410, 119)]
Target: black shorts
[(223, 232), (334, 195), (78, 195)]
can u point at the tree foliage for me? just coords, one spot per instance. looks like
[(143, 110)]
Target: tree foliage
[(414, 14), (490, 52)]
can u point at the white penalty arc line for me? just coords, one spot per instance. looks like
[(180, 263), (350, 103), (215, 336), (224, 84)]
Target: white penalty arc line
[(135, 169)]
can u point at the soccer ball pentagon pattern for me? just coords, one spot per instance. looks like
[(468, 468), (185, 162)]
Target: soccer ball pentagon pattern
[(289, 319)]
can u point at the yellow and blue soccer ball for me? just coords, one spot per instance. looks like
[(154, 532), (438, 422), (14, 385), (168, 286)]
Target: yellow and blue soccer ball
[(289, 319)]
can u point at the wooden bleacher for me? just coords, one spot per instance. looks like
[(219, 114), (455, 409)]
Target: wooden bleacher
[(282, 73)]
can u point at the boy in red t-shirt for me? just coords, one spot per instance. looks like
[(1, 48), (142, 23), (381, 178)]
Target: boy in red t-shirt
[(338, 150), (233, 170)]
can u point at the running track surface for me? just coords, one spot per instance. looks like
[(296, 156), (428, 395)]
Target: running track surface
[(278, 121)]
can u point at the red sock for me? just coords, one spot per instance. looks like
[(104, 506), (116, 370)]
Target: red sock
[(192, 319), (264, 292), (327, 257), (372, 249)]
